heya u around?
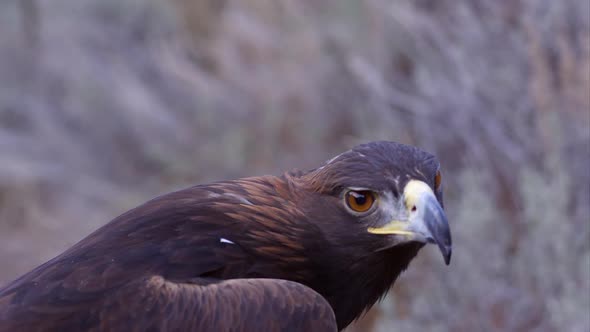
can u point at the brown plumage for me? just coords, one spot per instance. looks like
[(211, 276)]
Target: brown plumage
[(296, 252)]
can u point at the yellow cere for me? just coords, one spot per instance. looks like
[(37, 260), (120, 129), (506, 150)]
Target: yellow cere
[(413, 191)]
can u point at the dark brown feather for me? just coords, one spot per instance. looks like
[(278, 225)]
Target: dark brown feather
[(164, 265), (156, 304)]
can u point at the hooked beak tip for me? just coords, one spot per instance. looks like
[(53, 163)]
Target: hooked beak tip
[(446, 252), (438, 227)]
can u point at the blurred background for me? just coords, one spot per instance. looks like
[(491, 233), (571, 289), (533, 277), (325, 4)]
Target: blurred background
[(105, 104)]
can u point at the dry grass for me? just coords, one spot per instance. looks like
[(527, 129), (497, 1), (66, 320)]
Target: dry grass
[(104, 104)]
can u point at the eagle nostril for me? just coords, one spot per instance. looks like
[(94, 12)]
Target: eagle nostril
[(414, 208)]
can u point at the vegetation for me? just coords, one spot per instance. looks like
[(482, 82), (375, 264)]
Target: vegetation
[(105, 104)]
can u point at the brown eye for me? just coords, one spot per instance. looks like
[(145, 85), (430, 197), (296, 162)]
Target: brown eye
[(360, 200), (437, 180)]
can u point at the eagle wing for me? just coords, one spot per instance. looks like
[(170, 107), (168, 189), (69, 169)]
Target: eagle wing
[(170, 264), (157, 304)]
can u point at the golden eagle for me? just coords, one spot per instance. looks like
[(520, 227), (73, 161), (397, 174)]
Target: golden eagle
[(304, 251)]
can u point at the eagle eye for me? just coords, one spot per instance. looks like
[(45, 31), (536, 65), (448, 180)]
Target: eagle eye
[(437, 180), (359, 200)]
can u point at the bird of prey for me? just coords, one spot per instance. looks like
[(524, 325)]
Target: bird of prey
[(303, 251)]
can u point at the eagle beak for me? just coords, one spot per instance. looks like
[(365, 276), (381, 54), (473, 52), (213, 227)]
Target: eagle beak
[(426, 220)]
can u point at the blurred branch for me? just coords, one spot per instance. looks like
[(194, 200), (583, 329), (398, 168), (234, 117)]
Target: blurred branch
[(31, 24)]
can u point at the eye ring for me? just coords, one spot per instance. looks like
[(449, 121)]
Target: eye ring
[(360, 201), (437, 180)]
